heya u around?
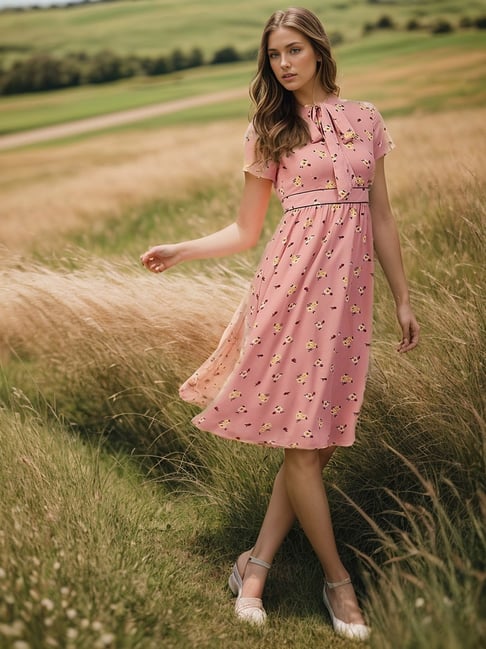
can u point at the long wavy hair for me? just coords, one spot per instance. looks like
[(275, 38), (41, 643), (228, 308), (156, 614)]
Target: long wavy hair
[(278, 126)]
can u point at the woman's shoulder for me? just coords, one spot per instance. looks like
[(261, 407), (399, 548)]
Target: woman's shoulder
[(356, 106)]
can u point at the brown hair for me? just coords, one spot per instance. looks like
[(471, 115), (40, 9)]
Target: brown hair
[(277, 124)]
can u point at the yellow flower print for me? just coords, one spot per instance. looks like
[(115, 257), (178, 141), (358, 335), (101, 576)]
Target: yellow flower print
[(353, 212), (358, 229), (288, 340), (335, 410), (343, 193), (264, 428), (302, 378), (352, 396), (330, 184), (359, 180), (304, 163), (355, 359), (332, 367), (321, 153), (327, 291), (276, 260), (308, 222), (291, 306), (329, 253), (244, 373), (263, 397), (345, 378), (307, 434), (277, 327), (320, 324), (276, 358), (278, 410), (355, 309), (361, 290), (309, 238), (311, 345), (234, 394), (298, 181), (256, 341), (321, 273), (362, 327), (345, 279), (294, 259), (366, 162), (342, 427), (312, 306), (348, 341), (242, 409), (357, 271), (224, 424), (319, 363), (366, 257), (309, 395), (326, 404), (277, 376), (325, 239), (368, 134), (300, 416), (292, 289)]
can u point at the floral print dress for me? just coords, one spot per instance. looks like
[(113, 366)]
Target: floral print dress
[(291, 367)]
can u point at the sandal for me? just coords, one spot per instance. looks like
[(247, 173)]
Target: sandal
[(345, 629), (249, 609)]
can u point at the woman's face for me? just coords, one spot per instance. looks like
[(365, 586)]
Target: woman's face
[(293, 62)]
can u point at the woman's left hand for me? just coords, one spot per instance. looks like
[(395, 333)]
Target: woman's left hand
[(410, 328)]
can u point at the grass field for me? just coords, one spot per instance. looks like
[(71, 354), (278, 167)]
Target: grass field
[(448, 72), (158, 26), (118, 521)]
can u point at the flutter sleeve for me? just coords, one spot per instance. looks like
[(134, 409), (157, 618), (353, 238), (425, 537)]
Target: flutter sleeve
[(257, 168), (382, 141)]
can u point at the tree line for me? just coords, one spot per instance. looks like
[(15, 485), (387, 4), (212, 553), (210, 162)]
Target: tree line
[(44, 71)]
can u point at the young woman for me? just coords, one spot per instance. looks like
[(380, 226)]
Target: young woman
[(290, 369)]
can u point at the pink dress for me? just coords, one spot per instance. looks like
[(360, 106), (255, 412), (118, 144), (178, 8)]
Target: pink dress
[(291, 367)]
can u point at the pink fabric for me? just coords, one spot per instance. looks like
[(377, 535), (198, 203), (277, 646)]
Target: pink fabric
[(290, 370)]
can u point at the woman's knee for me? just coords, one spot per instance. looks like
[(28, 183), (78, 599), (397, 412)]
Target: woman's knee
[(302, 460)]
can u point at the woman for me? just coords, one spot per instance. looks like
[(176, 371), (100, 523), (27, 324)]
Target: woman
[(291, 367)]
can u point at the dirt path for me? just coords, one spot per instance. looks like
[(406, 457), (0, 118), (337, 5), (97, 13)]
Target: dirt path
[(114, 119)]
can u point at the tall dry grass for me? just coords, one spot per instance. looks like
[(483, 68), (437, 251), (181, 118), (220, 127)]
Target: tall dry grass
[(75, 187), (107, 346)]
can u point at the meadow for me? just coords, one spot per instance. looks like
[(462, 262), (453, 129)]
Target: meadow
[(119, 522)]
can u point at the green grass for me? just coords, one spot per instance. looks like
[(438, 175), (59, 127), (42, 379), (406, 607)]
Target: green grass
[(433, 90), (159, 26)]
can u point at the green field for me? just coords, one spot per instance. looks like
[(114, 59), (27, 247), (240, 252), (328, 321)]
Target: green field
[(159, 26), (391, 55)]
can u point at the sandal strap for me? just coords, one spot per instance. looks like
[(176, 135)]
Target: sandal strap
[(260, 562), (336, 584)]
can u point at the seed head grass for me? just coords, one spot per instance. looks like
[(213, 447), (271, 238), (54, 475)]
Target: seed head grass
[(99, 347)]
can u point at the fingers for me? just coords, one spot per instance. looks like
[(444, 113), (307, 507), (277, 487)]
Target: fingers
[(410, 338), (152, 263)]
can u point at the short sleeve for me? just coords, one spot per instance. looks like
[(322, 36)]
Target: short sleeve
[(382, 141), (266, 170)]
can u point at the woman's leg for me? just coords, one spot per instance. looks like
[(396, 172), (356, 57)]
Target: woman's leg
[(307, 498), (278, 520)]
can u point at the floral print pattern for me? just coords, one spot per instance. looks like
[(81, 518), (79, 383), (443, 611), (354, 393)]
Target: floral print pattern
[(291, 367)]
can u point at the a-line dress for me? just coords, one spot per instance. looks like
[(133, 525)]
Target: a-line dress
[(291, 367)]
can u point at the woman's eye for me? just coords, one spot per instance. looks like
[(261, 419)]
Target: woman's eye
[(273, 55), (295, 50)]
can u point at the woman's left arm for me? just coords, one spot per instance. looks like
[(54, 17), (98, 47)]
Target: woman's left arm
[(387, 247)]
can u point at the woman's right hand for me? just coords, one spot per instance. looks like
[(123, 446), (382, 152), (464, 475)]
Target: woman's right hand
[(160, 258)]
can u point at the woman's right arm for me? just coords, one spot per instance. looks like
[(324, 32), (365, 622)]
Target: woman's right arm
[(240, 235)]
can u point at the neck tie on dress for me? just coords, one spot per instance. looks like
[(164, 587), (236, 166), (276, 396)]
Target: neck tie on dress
[(335, 130)]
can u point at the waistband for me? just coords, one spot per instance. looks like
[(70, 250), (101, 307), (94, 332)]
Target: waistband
[(315, 197)]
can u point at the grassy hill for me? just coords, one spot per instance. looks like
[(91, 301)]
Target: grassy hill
[(159, 26), (118, 521)]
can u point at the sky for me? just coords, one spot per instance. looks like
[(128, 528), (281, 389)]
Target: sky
[(11, 4)]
